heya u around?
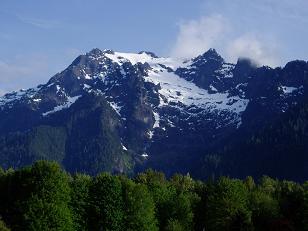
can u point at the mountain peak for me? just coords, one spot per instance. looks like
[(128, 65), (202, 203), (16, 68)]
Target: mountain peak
[(152, 54), (212, 51), (211, 54), (108, 51), (95, 51), (246, 62)]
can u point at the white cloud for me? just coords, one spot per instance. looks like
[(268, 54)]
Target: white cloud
[(197, 36), (215, 31), (249, 46)]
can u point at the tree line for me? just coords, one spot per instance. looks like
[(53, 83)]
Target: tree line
[(45, 197)]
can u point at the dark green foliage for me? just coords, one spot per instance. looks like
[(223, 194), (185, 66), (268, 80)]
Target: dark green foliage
[(174, 225), (174, 199), (264, 207), (80, 185), (47, 208), (106, 201), (44, 197), (139, 208), (48, 143), (227, 206), (179, 211), (40, 143), (160, 191), (36, 198)]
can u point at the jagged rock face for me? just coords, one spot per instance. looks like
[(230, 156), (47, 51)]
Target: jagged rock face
[(208, 71), (122, 112)]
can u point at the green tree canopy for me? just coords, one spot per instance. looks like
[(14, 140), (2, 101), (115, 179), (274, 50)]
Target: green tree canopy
[(106, 203), (48, 206)]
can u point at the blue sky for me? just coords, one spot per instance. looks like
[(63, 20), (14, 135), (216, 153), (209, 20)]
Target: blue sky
[(39, 38)]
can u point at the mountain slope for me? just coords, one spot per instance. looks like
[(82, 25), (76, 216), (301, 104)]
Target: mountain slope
[(123, 112), (278, 149)]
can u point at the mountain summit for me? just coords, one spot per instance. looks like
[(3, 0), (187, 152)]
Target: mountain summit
[(123, 112)]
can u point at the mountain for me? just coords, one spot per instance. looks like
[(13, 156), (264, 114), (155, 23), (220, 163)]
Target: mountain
[(124, 112), (279, 149)]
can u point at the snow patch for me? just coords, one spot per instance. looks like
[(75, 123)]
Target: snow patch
[(86, 86), (226, 70), (212, 88), (150, 134), (123, 147), (157, 119), (144, 155), (10, 98), (116, 107), (69, 102), (58, 88), (288, 90), (180, 91), (87, 76), (133, 58)]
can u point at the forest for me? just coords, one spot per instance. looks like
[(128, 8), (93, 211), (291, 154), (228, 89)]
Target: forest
[(45, 197)]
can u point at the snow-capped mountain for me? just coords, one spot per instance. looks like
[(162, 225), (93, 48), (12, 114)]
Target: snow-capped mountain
[(121, 112)]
